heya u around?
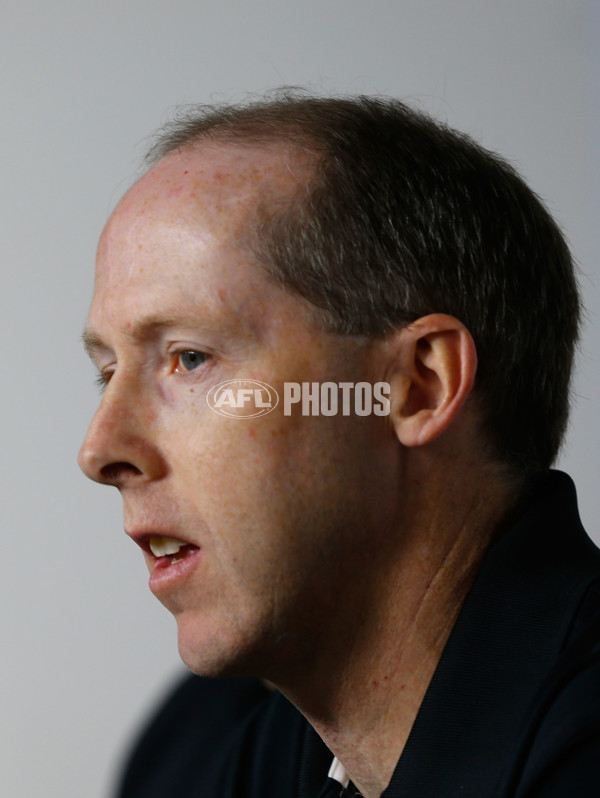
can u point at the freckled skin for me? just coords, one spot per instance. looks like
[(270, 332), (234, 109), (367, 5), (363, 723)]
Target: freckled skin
[(286, 510)]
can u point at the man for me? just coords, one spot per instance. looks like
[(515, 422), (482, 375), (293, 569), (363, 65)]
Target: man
[(414, 582)]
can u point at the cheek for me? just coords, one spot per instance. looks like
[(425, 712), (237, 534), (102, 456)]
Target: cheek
[(227, 472), (245, 495), (274, 491)]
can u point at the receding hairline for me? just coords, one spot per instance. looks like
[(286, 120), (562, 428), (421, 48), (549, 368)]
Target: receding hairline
[(268, 196), (257, 123), (295, 162)]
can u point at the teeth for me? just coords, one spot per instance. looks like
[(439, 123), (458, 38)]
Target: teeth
[(161, 546)]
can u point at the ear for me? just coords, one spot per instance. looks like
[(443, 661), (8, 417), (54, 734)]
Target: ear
[(432, 373)]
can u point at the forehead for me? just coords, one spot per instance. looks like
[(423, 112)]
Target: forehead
[(178, 234), (217, 184), (205, 195)]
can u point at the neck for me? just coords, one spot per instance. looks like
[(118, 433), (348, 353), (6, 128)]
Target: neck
[(364, 687)]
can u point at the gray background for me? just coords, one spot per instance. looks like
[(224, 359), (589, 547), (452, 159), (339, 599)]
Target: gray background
[(84, 646)]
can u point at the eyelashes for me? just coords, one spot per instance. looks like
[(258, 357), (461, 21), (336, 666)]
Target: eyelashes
[(101, 381), (186, 360)]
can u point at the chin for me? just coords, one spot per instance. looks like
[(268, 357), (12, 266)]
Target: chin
[(214, 652)]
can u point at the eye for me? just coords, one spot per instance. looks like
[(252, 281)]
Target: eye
[(102, 379), (190, 359)]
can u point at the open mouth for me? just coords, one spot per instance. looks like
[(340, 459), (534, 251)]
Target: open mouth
[(169, 551)]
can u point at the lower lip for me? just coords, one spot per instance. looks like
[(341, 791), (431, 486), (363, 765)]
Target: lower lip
[(166, 576)]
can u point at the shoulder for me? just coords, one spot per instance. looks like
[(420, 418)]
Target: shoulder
[(182, 741), (516, 692), (562, 739), (221, 738)]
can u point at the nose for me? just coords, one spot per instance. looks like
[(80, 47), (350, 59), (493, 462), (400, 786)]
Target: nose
[(118, 448)]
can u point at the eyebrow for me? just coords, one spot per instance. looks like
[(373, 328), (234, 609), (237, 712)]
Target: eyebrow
[(145, 328), (141, 330), (92, 343)]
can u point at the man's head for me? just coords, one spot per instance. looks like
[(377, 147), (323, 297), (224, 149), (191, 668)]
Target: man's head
[(269, 508), (232, 259)]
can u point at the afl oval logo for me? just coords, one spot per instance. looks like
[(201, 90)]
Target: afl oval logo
[(242, 398)]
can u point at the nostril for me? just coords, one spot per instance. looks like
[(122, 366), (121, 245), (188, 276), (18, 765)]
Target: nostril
[(115, 473)]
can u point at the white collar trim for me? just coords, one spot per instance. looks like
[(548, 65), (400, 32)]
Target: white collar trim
[(338, 772)]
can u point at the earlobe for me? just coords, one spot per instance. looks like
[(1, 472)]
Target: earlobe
[(431, 378)]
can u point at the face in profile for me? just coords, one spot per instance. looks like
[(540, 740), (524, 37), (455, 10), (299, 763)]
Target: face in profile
[(255, 530)]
